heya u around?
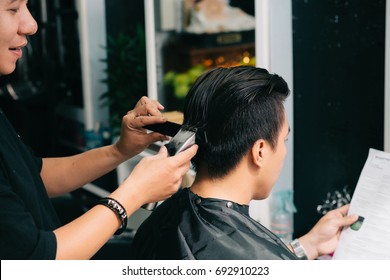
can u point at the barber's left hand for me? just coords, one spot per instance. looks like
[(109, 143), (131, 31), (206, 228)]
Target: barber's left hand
[(134, 139)]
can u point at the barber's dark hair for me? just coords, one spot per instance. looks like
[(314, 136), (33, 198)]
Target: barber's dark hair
[(232, 108)]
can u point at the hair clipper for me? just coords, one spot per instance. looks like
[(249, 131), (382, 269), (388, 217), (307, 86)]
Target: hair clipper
[(180, 142)]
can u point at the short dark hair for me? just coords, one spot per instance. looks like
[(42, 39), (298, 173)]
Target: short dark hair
[(232, 108)]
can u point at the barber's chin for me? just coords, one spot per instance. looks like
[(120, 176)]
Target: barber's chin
[(7, 70)]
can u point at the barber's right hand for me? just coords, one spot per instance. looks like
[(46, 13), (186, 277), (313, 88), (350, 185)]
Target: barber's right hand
[(158, 177)]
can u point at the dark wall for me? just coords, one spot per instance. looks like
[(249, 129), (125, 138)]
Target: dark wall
[(247, 6), (123, 16), (338, 50)]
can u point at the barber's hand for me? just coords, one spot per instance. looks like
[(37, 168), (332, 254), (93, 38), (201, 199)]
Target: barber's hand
[(323, 237), (158, 177), (134, 139)]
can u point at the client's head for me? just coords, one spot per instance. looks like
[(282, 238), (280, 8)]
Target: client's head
[(232, 109)]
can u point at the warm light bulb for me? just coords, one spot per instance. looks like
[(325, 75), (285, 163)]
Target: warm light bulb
[(246, 60)]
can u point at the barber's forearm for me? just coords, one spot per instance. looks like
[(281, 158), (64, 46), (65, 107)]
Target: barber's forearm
[(84, 236), (62, 175)]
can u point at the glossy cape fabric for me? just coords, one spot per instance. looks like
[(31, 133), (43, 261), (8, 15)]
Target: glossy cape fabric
[(187, 226)]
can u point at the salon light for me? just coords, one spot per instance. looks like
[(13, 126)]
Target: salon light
[(246, 60)]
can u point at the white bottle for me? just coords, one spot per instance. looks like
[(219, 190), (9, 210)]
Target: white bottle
[(282, 218), (281, 225)]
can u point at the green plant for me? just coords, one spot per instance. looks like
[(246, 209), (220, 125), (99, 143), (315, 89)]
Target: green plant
[(177, 84), (181, 82), (126, 75)]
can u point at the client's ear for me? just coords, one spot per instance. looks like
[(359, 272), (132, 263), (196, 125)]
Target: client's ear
[(259, 152)]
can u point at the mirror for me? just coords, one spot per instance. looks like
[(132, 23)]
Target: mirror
[(173, 53), (187, 37)]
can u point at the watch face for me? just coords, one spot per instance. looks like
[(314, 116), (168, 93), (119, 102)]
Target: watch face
[(358, 224)]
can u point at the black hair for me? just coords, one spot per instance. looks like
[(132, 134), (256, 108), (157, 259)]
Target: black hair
[(232, 108)]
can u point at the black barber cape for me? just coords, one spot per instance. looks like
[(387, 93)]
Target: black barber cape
[(187, 226), (27, 218)]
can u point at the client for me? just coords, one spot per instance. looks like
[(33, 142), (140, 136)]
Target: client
[(242, 128)]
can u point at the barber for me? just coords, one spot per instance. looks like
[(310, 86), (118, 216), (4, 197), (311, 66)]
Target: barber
[(29, 226)]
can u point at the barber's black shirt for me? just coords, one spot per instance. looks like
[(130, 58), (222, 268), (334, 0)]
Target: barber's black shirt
[(187, 226), (27, 218)]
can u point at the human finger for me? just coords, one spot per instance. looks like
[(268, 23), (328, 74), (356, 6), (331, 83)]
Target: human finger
[(163, 152), (159, 105), (134, 121), (144, 111), (186, 155), (343, 210), (156, 136), (143, 100), (146, 106), (349, 220), (344, 219)]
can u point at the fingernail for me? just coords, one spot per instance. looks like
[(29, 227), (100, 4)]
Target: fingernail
[(358, 224)]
